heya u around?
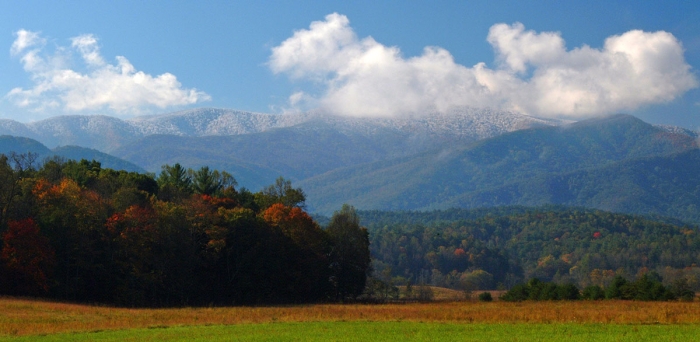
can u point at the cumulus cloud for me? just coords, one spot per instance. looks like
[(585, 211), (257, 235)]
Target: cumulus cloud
[(535, 73), (118, 87)]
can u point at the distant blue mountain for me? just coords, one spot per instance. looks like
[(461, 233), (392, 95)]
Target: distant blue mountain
[(10, 144)]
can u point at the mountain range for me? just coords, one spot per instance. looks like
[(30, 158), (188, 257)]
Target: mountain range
[(107, 133), (257, 148), (465, 158)]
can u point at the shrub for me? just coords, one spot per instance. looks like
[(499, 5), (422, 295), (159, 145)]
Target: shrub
[(568, 292), (518, 293), (681, 289), (485, 297), (593, 292)]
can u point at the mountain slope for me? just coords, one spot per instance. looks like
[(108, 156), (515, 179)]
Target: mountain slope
[(525, 167), (106, 160), (10, 144), (295, 152), (662, 185)]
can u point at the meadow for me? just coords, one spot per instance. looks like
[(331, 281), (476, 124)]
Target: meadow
[(27, 319)]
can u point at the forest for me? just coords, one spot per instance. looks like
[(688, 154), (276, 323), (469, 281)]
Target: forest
[(501, 247), (76, 231)]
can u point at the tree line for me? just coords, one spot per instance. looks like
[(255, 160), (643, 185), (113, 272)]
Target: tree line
[(647, 287), (72, 230)]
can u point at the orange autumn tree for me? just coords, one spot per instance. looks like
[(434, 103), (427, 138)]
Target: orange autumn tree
[(205, 222)]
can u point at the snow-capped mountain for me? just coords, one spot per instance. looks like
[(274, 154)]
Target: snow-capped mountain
[(108, 133)]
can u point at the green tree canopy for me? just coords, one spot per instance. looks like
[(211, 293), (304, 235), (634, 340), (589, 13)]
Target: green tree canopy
[(280, 192), (208, 182)]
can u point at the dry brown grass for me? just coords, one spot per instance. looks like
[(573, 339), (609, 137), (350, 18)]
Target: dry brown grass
[(446, 294), (25, 317), (439, 293)]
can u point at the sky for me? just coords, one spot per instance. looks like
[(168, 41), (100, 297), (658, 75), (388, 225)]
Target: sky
[(559, 59)]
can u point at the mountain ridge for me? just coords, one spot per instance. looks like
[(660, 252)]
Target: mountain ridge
[(90, 131)]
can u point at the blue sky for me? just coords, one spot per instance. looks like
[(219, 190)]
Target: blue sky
[(230, 54)]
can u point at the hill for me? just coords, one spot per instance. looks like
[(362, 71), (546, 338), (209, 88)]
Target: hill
[(9, 144), (583, 246)]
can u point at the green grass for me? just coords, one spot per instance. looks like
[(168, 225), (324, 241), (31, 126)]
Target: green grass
[(389, 331)]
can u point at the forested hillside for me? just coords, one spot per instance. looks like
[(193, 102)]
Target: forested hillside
[(617, 163), (486, 249)]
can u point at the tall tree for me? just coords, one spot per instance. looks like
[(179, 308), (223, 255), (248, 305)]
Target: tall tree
[(208, 182), (280, 192), (12, 169), (174, 182), (350, 257), (307, 256)]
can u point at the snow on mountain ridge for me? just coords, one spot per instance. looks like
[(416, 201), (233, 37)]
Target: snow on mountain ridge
[(108, 133), (679, 130), (480, 123)]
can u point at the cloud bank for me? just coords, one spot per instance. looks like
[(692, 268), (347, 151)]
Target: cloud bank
[(535, 73), (117, 87)]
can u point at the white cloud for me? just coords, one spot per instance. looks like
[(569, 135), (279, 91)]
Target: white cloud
[(87, 46), (117, 87), (535, 74), (24, 40)]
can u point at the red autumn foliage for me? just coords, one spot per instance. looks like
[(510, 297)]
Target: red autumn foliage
[(295, 223), (597, 235), (220, 202), (27, 257), (134, 221)]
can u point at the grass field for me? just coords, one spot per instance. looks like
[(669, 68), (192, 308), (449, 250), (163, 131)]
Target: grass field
[(391, 331), (527, 321)]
